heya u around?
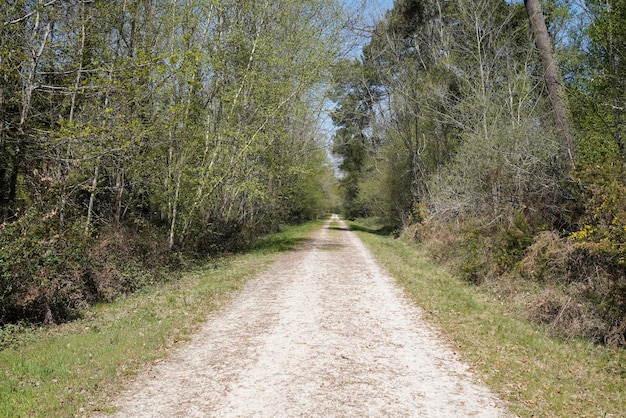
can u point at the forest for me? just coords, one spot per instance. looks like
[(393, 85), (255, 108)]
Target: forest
[(139, 134), (492, 133), (136, 132)]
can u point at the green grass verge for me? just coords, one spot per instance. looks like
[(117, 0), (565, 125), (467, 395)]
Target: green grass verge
[(537, 375), (74, 369)]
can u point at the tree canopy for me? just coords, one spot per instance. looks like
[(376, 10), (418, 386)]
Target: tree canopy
[(193, 121)]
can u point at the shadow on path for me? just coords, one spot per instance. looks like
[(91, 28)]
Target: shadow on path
[(382, 231), (337, 228), (277, 244)]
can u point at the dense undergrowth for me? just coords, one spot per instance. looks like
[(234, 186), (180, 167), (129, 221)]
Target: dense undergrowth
[(574, 289), (50, 275)]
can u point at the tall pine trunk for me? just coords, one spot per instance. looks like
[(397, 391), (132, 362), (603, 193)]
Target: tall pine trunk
[(551, 74)]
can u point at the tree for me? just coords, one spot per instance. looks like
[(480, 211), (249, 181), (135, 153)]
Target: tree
[(598, 87), (458, 124), (355, 95), (12, 56), (188, 124), (551, 75)]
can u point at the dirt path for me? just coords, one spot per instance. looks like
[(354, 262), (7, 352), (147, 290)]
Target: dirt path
[(323, 333)]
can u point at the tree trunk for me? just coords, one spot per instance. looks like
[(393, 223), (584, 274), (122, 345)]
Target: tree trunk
[(4, 159), (551, 74), (92, 197), (170, 240)]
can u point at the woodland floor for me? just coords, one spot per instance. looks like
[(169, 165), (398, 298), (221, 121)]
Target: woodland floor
[(323, 332)]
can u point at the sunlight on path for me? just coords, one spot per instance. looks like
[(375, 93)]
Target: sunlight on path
[(325, 333)]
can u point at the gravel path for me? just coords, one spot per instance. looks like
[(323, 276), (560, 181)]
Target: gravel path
[(324, 332)]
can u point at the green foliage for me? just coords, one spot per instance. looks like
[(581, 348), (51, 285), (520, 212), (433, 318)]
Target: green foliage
[(516, 239), (598, 90), (441, 119), (547, 259), (190, 125), (355, 95), (601, 243), (474, 267), (43, 273), (607, 86), (599, 115), (603, 228), (600, 239)]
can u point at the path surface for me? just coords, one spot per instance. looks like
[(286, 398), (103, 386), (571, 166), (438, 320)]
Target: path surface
[(323, 333)]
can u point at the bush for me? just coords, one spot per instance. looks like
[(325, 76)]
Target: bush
[(567, 314), (576, 290), (512, 243), (603, 283), (547, 258), (465, 247), (125, 259), (43, 273), (48, 275)]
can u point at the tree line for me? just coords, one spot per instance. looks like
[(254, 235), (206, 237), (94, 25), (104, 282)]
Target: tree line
[(144, 128), (497, 128)]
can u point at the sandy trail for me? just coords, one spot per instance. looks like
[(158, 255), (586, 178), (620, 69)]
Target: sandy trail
[(324, 332)]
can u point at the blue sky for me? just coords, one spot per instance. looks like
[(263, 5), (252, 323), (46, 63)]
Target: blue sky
[(374, 8), (366, 13), (380, 4)]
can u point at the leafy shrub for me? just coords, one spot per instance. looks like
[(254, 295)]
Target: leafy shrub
[(49, 276), (547, 258), (604, 229), (43, 273), (515, 239), (599, 258), (576, 290), (475, 261), (465, 247)]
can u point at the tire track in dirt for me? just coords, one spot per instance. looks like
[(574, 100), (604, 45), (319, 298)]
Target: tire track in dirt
[(324, 332)]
